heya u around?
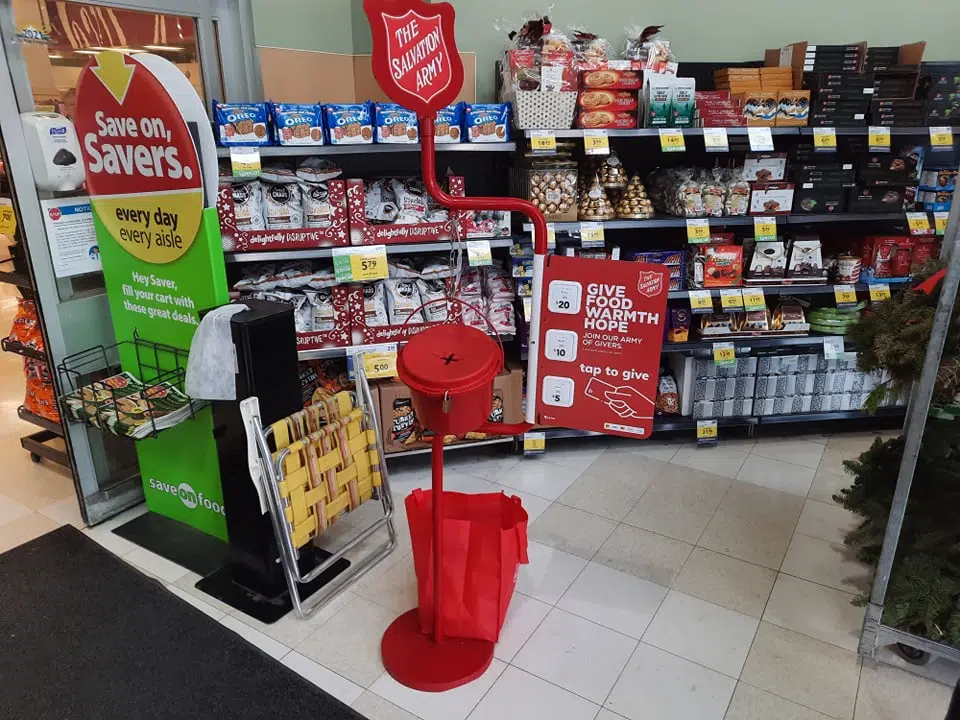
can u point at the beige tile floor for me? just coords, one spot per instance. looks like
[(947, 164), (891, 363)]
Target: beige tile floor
[(665, 581)]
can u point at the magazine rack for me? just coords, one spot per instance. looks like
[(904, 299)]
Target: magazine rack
[(158, 366), (320, 464)]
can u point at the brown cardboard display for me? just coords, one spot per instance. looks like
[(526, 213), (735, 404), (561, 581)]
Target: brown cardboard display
[(395, 402), (309, 76)]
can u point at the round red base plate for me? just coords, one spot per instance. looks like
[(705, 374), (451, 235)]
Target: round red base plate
[(415, 660)]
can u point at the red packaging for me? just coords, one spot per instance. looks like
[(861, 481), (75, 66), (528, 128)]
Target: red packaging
[(615, 100), (607, 79), (723, 266), (900, 267), (606, 120), (712, 96), (883, 257), (924, 250)]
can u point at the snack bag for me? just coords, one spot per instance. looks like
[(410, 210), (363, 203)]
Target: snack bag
[(240, 124), (248, 205), (283, 206), (297, 124), (317, 210), (395, 124)]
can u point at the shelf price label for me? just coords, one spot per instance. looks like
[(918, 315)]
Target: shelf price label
[(551, 236), (698, 230), (245, 162), (701, 301), (764, 228), (543, 142), (8, 220), (833, 348), (824, 138), (596, 142), (591, 234), (534, 442), (706, 431), (724, 354), (919, 223), (845, 295), (939, 222), (731, 300), (941, 138), (761, 139), (879, 136), (753, 299), (671, 140), (380, 363), (527, 309), (478, 253), (879, 292), (363, 262), (715, 140)]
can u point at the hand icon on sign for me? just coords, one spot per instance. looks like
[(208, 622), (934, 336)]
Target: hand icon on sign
[(629, 403)]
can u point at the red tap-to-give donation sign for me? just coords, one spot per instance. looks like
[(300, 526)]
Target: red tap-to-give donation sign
[(601, 332), (415, 58)]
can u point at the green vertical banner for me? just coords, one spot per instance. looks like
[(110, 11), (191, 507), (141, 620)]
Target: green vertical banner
[(161, 251)]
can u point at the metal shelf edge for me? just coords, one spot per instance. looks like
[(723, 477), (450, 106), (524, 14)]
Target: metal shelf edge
[(791, 219), (39, 421), (369, 149), (326, 252)]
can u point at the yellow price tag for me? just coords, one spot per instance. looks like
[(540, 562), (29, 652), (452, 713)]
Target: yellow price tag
[(701, 301), (941, 138), (706, 429), (362, 262), (845, 294), (591, 234), (245, 162), (879, 292), (534, 441), (731, 300), (543, 141), (879, 137), (671, 140), (940, 222), (753, 299), (8, 220), (825, 138), (551, 235), (724, 354), (919, 223), (380, 364), (764, 228), (596, 142), (698, 230)]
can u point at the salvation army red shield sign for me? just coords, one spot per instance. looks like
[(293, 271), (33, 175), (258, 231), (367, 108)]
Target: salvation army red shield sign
[(600, 338), (415, 58)]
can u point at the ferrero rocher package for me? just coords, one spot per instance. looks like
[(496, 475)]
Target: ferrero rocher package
[(594, 203), (634, 203)]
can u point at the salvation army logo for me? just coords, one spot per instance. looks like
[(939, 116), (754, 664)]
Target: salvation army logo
[(650, 283), (54, 213)]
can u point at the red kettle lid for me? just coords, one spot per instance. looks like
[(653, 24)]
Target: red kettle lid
[(450, 358)]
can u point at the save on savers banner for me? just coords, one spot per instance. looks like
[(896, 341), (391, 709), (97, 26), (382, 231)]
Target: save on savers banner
[(160, 248)]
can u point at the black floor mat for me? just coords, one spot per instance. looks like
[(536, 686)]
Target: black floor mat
[(84, 635)]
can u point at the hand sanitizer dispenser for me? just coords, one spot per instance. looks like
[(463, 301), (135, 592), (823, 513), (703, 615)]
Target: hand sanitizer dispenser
[(54, 151)]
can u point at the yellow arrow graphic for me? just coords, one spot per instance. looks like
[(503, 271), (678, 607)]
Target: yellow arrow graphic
[(114, 73)]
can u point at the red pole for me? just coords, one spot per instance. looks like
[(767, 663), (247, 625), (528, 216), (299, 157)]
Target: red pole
[(528, 209), (436, 464)]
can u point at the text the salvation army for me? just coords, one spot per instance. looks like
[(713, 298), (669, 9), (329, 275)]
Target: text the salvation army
[(424, 50)]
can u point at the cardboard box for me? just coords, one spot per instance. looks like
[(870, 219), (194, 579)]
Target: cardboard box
[(401, 428)]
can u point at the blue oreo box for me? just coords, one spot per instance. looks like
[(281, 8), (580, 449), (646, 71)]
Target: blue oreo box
[(295, 124), (448, 127), (395, 124), (350, 124), (485, 123), (241, 124)]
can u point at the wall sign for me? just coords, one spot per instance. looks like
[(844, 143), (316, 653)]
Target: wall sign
[(415, 58), (600, 344), (74, 247)]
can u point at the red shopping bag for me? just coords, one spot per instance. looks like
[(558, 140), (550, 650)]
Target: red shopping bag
[(484, 542)]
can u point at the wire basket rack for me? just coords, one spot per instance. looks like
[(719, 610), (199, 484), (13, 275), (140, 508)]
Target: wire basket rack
[(98, 393)]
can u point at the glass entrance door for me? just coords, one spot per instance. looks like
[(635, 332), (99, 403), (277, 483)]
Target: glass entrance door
[(204, 38)]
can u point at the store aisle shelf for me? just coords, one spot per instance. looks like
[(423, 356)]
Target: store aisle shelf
[(12, 346), (679, 222), (731, 131), (303, 150), (41, 422), (392, 249), (797, 289), (756, 343)]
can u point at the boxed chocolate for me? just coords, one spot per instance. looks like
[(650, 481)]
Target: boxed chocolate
[(771, 198), (760, 108), (806, 259), (769, 260), (872, 198), (793, 107), (764, 167), (882, 169), (613, 100), (827, 175), (812, 197), (606, 120), (609, 79), (715, 266)]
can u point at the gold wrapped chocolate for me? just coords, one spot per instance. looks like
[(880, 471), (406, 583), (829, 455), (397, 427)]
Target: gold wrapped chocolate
[(634, 203), (594, 203)]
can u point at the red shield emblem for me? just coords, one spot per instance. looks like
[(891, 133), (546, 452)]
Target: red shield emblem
[(650, 284), (415, 58)]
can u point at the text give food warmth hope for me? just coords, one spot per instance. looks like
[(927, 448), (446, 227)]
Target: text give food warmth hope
[(608, 308)]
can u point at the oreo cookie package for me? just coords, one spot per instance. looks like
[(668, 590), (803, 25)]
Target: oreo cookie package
[(487, 122), (395, 124), (241, 124), (297, 124), (350, 124)]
